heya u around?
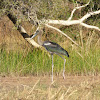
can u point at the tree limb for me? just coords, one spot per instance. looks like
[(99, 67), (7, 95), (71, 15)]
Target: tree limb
[(27, 37), (62, 33), (74, 22), (90, 26), (22, 31), (89, 15), (76, 9)]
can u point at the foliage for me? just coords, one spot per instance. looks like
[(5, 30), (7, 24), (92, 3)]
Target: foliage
[(49, 9)]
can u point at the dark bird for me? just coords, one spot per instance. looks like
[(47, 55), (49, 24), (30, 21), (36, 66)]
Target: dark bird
[(52, 48)]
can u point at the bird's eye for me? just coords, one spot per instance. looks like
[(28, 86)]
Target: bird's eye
[(37, 31)]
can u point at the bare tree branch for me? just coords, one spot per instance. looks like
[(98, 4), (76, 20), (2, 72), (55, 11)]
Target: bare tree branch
[(89, 15), (90, 26), (62, 33), (22, 30), (31, 41), (63, 22), (73, 22), (76, 9)]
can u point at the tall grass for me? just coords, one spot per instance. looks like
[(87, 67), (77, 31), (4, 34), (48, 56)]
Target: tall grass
[(38, 62)]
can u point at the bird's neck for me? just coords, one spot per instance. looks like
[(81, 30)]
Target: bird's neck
[(40, 40)]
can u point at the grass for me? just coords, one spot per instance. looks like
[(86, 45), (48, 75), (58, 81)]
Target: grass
[(38, 62), (84, 90)]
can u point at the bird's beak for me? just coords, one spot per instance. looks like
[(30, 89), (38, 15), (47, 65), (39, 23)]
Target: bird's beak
[(37, 32)]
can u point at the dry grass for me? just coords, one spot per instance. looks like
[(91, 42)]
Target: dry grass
[(35, 88)]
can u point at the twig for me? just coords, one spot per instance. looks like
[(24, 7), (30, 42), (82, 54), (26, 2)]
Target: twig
[(34, 86)]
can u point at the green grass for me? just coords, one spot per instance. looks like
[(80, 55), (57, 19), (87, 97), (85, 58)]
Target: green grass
[(38, 62)]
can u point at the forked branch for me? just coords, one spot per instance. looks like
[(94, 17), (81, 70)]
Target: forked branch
[(73, 22), (79, 7)]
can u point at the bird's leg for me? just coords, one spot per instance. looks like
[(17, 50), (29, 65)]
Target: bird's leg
[(52, 66), (64, 69), (64, 65)]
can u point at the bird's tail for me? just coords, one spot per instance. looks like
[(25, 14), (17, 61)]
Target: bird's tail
[(67, 54)]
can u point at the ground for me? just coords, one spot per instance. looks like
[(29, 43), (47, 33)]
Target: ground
[(41, 88)]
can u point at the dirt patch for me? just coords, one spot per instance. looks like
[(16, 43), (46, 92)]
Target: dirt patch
[(41, 88), (10, 38), (31, 80)]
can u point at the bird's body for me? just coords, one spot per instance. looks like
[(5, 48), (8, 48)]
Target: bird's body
[(52, 48)]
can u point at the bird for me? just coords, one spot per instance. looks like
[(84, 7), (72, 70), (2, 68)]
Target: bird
[(52, 48)]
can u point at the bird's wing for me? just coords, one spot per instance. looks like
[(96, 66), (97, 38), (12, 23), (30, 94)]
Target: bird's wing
[(50, 44), (55, 48)]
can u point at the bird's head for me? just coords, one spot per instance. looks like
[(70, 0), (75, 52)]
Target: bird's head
[(36, 33)]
